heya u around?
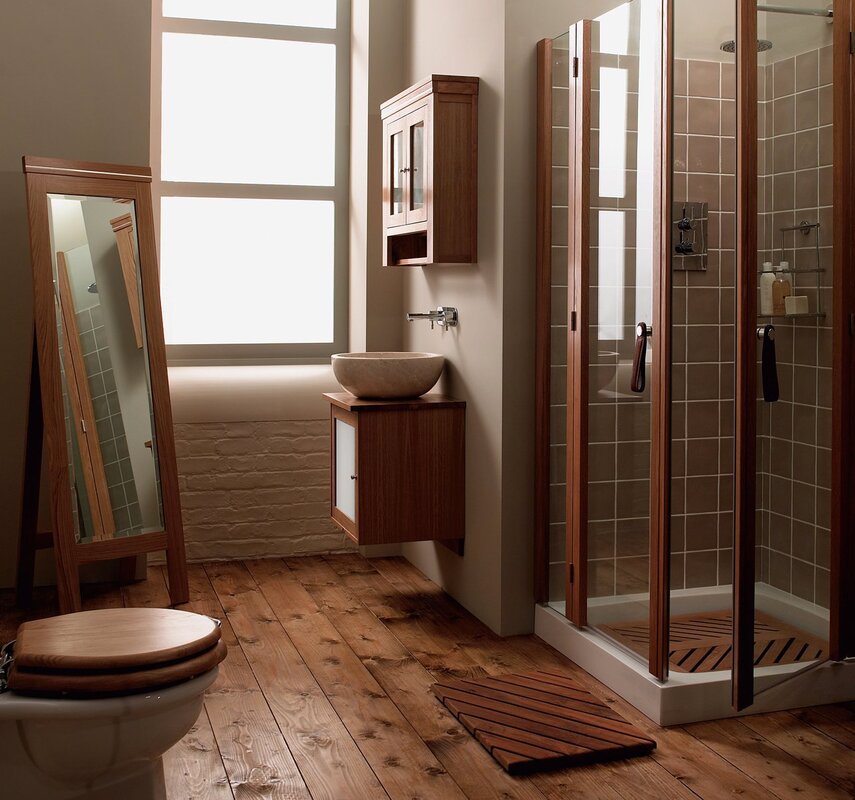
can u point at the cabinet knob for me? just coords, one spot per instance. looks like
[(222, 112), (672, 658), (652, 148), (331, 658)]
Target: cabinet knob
[(353, 477)]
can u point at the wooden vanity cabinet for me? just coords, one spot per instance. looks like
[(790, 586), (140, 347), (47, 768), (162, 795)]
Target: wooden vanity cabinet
[(430, 173), (397, 469)]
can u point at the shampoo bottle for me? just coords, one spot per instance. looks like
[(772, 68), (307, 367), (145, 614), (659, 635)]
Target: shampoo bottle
[(767, 278), (781, 288)]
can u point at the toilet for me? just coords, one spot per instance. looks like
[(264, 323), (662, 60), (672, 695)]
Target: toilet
[(90, 702)]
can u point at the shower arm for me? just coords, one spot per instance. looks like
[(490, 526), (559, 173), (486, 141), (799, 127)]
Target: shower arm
[(802, 12)]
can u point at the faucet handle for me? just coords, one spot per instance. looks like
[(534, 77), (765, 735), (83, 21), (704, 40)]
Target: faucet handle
[(448, 316)]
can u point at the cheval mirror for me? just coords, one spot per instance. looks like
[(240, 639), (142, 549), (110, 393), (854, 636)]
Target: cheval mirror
[(99, 393)]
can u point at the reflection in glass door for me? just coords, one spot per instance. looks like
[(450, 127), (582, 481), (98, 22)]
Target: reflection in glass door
[(790, 323), (614, 443)]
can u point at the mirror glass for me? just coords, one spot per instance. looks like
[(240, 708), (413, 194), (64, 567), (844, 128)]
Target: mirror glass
[(100, 316)]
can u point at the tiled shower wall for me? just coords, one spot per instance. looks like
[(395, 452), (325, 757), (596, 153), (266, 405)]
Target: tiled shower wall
[(703, 320), (620, 296), (108, 420), (795, 432)]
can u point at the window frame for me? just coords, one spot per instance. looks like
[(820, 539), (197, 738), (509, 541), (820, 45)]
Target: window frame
[(338, 193)]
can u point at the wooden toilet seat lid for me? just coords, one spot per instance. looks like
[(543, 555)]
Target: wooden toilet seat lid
[(56, 683), (113, 639)]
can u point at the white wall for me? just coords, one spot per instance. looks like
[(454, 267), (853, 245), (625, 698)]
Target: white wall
[(74, 75)]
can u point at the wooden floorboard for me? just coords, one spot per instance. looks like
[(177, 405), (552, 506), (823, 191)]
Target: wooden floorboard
[(399, 757), (326, 693)]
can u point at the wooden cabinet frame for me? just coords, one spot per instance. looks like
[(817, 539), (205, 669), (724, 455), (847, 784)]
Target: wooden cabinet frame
[(348, 525), (46, 176), (410, 467), (445, 229)]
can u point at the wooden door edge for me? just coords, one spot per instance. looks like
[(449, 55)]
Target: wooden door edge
[(543, 320)]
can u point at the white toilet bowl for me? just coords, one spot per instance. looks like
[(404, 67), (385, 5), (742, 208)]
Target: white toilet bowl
[(99, 749), (91, 701)]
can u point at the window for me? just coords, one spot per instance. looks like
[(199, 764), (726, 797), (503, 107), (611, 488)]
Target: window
[(250, 102)]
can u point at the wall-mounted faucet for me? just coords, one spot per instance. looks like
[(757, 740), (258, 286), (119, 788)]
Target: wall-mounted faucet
[(444, 316)]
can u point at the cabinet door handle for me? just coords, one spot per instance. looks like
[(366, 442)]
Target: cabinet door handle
[(353, 477), (639, 358)]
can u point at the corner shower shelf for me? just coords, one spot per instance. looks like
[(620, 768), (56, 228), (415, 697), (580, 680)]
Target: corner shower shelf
[(809, 315), (796, 270), (805, 228)]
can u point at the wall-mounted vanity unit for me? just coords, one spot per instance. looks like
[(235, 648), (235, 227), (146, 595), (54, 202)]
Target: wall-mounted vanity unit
[(430, 173), (398, 469)]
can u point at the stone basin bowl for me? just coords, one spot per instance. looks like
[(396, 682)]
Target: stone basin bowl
[(387, 376)]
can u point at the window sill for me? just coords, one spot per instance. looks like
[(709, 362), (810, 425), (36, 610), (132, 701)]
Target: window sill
[(250, 393)]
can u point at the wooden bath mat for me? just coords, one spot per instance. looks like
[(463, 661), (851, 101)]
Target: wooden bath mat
[(533, 721), (704, 642)]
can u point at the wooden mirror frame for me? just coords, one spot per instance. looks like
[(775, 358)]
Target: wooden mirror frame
[(46, 176)]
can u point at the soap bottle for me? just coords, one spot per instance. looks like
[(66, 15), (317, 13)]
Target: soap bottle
[(767, 278), (781, 288)]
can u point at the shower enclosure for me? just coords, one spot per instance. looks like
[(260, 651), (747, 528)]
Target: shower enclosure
[(695, 531)]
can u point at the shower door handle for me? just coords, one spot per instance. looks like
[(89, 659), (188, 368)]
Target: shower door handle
[(642, 332), (768, 363)]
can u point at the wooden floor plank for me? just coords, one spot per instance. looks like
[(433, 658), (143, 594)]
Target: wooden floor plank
[(256, 756), (100, 595), (465, 641), (786, 777), (688, 761), (407, 683), (834, 721), (405, 633), (823, 754), (396, 753), (150, 593), (193, 768), (329, 760)]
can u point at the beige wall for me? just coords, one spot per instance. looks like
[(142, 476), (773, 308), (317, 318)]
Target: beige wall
[(74, 74), (377, 59)]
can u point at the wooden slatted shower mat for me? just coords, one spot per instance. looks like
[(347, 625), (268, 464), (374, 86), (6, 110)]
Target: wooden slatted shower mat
[(533, 721), (703, 642)]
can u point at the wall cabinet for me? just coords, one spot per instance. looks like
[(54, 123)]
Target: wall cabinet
[(398, 469), (430, 173)]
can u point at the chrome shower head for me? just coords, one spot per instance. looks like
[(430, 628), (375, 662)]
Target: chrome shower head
[(730, 46)]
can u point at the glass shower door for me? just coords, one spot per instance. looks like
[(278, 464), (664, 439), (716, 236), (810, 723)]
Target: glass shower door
[(615, 358), (785, 401)]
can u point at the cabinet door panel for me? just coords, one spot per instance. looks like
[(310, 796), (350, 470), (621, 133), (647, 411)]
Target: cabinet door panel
[(417, 183), (395, 162), (345, 469)]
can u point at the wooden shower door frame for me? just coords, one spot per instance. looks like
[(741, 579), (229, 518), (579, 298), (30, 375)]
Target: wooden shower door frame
[(579, 210)]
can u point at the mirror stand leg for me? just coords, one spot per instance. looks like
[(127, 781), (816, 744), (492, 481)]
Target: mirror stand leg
[(127, 570), (176, 572), (27, 544)]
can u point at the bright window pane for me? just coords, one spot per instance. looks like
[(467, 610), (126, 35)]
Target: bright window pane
[(313, 14), (240, 110), (239, 271)]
